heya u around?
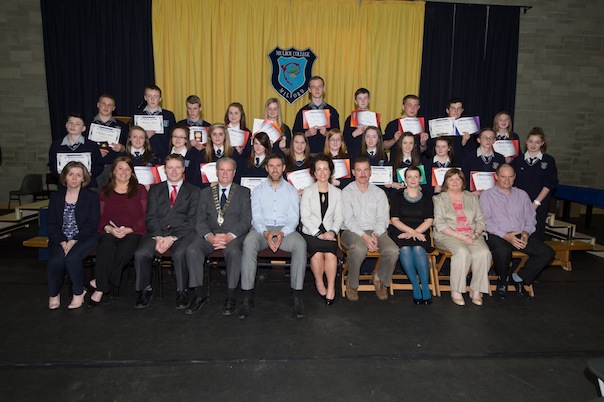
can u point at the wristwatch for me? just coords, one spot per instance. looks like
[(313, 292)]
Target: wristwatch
[(537, 202), (174, 238)]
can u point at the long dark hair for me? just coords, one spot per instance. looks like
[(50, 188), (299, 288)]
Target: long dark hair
[(132, 183), (415, 157), (379, 152), (148, 155), (263, 139)]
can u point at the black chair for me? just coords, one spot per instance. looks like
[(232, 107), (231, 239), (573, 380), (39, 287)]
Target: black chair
[(45, 194), (32, 183)]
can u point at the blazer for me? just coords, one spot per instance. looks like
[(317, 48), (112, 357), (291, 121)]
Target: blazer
[(237, 216), (87, 214), (310, 210), (445, 216), (178, 220)]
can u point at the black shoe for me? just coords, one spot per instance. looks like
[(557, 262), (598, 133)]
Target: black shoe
[(502, 291), (330, 302), (196, 304), (427, 301), (246, 308), (92, 303), (229, 306), (417, 302), (522, 292), (296, 306), (182, 300), (91, 289), (144, 299)]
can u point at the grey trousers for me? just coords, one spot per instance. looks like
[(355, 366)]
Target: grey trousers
[(293, 243), (201, 248), (357, 252)]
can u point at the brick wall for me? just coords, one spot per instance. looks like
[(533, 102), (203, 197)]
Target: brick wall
[(560, 87)]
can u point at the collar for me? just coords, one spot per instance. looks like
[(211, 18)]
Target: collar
[(217, 148), (197, 123), (435, 159), (313, 106), (227, 188), (65, 141), (479, 153), (178, 185), (538, 156), (238, 126), (97, 120), (156, 111), (183, 152), (133, 150)]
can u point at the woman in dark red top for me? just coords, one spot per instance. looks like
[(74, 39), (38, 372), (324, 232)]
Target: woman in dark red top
[(122, 224)]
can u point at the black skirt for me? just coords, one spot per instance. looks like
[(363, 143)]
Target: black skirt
[(316, 245)]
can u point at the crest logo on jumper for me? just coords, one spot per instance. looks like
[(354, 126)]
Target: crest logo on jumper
[(291, 71)]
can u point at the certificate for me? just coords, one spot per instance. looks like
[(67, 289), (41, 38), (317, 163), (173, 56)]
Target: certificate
[(482, 180), (64, 159), (144, 175), (341, 168), (444, 126), (316, 118), (238, 137), (252, 182), (300, 179), (100, 133), (470, 125), (438, 175), (208, 172), (400, 175), (506, 147), (159, 173), (198, 133), (413, 125), (150, 122), (269, 127), (364, 118), (381, 175)]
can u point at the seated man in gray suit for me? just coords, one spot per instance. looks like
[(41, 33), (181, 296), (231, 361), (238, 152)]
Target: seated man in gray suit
[(171, 213), (224, 217), (275, 217)]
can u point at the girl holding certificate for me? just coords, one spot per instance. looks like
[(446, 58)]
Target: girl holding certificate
[(536, 173), (272, 112), (139, 148), (73, 218), (502, 127), (458, 227), (411, 215), (408, 155), (299, 155), (443, 158), (235, 118), (321, 217), (123, 207), (372, 147), (219, 144), (335, 148)]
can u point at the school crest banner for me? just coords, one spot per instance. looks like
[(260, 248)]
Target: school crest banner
[(292, 69)]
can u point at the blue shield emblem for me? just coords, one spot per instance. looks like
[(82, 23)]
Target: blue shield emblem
[(292, 69)]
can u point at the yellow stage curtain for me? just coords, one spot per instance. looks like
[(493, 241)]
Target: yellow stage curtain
[(218, 50)]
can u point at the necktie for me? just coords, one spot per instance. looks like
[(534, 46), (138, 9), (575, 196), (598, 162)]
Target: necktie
[(223, 198), (173, 195), (257, 161), (137, 154), (219, 153), (502, 137), (532, 161), (371, 153)]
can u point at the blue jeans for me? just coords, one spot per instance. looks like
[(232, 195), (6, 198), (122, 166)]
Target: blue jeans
[(415, 263)]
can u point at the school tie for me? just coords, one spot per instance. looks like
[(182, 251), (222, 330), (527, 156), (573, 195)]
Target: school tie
[(372, 153), (257, 161), (219, 153), (137, 154), (173, 195), (501, 137), (223, 198), (532, 161)]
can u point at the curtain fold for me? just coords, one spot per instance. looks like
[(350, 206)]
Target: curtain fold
[(94, 47)]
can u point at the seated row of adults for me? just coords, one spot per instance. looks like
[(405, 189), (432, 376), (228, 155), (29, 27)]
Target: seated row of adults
[(192, 223)]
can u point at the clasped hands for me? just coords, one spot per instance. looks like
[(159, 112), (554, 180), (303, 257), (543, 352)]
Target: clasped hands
[(273, 239), (370, 241), (517, 239), (220, 240)]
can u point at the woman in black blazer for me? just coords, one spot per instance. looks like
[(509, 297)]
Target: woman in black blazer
[(73, 218)]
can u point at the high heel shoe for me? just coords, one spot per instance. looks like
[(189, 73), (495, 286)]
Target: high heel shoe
[(77, 301), (54, 302), (417, 302), (427, 301), (329, 302), (89, 287), (459, 302), (94, 303)]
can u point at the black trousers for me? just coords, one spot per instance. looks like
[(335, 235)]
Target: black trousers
[(73, 262), (539, 254), (112, 254)]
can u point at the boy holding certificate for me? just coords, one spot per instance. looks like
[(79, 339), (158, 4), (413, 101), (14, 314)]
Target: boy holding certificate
[(156, 121), (396, 128), (353, 133), (316, 133), (75, 147), (194, 119), (483, 159), (109, 133)]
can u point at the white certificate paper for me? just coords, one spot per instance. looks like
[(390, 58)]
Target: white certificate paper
[(470, 125), (208, 172), (381, 175), (444, 126), (341, 168), (100, 133), (150, 122), (366, 118), (300, 179), (506, 147), (438, 175), (252, 182), (64, 159), (482, 180), (316, 118), (238, 137), (198, 133), (411, 124), (270, 128), (144, 175)]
